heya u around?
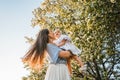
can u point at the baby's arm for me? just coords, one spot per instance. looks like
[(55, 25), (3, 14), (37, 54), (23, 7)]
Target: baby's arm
[(66, 37), (61, 43)]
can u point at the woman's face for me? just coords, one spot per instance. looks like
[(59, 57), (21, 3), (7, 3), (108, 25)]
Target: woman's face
[(51, 35)]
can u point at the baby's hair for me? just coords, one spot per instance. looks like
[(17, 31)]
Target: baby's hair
[(57, 30)]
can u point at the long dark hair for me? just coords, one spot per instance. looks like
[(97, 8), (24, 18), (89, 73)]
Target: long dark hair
[(35, 56)]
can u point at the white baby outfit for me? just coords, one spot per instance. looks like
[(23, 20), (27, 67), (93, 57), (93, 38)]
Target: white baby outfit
[(68, 45)]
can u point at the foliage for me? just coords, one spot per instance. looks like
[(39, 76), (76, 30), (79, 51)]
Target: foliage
[(93, 25), (35, 75)]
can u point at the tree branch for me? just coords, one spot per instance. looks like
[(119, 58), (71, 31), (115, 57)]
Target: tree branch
[(97, 70), (89, 65)]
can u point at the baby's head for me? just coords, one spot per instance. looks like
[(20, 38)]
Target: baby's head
[(57, 33)]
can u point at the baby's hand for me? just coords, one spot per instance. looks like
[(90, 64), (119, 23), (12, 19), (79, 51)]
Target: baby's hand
[(65, 39), (62, 42)]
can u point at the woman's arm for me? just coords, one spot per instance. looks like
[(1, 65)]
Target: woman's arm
[(65, 54)]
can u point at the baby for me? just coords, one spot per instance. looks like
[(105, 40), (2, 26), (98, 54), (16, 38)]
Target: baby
[(64, 42)]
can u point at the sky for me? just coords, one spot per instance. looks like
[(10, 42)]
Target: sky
[(15, 24)]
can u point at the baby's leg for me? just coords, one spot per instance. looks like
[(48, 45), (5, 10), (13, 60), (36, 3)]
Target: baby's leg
[(69, 66), (78, 60)]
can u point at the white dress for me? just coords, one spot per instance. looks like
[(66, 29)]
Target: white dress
[(57, 69), (68, 45)]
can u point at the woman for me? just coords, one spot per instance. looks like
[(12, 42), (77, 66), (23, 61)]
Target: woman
[(57, 69)]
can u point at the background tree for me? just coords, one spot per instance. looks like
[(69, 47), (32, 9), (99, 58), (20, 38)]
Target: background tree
[(94, 26)]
